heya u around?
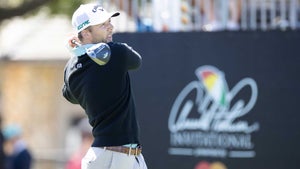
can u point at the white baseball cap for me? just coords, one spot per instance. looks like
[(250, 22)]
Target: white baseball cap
[(90, 14)]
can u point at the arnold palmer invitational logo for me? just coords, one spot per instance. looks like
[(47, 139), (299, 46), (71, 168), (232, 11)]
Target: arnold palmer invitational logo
[(208, 119)]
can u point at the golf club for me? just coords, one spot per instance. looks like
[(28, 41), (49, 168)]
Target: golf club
[(100, 52)]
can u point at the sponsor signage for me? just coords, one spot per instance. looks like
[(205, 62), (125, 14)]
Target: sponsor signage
[(218, 100), (205, 117)]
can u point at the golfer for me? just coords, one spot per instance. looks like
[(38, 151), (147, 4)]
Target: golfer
[(104, 91)]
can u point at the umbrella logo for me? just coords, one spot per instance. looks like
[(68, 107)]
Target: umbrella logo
[(214, 83)]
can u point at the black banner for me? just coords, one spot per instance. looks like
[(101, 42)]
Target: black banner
[(218, 100)]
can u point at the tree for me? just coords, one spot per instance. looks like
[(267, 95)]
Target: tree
[(30, 6)]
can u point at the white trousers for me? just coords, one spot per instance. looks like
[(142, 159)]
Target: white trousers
[(99, 158)]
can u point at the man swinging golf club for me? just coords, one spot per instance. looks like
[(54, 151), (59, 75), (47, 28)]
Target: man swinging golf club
[(102, 88)]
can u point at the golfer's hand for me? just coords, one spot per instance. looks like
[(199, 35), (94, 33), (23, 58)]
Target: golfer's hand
[(70, 41)]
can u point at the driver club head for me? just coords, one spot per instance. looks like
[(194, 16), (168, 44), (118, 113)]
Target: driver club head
[(100, 53)]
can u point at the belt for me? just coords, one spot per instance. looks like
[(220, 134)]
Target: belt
[(126, 150)]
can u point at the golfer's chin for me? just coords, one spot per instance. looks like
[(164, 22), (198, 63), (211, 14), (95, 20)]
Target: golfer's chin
[(109, 39)]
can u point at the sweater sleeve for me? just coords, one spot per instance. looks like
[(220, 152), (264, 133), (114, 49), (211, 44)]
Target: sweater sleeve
[(134, 59), (66, 91), (68, 95)]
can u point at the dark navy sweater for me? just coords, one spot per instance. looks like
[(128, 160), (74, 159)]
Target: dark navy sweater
[(105, 93)]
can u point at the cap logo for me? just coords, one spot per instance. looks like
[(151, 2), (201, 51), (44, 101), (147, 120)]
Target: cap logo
[(83, 24), (97, 7)]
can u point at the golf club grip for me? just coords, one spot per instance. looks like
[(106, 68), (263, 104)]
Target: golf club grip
[(75, 42)]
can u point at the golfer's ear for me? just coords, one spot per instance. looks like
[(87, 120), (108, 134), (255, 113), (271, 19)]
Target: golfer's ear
[(84, 33)]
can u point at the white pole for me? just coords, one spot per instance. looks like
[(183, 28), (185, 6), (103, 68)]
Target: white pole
[(207, 10), (253, 25), (273, 14), (283, 14), (197, 14), (224, 13), (293, 14), (244, 16), (263, 15)]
